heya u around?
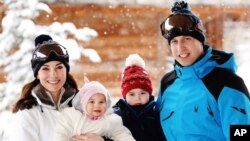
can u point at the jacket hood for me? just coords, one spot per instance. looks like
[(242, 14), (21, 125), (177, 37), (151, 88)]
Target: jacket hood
[(211, 59)]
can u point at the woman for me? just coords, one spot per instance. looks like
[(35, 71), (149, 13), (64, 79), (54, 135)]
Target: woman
[(41, 100)]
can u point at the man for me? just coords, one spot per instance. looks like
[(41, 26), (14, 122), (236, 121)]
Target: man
[(202, 96)]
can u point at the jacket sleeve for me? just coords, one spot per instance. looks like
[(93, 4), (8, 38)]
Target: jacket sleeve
[(118, 131), (234, 105), (158, 101), (24, 127), (166, 81), (64, 126)]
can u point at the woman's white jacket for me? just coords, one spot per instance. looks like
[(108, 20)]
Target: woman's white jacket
[(38, 123), (73, 122)]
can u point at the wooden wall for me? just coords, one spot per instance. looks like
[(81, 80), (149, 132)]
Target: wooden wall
[(124, 30), (121, 31)]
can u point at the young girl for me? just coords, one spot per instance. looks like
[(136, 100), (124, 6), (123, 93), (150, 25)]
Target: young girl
[(92, 113), (137, 107), (40, 103)]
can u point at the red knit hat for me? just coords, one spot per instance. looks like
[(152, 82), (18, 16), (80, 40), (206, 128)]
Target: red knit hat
[(135, 76)]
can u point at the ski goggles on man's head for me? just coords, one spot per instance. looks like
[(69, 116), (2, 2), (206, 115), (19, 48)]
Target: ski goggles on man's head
[(180, 23), (43, 51)]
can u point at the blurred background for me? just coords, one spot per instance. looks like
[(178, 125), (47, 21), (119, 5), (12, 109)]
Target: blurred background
[(100, 34)]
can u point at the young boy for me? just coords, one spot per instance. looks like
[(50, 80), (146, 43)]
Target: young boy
[(92, 113), (137, 107)]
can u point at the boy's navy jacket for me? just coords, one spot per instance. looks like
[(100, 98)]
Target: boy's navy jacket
[(144, 124), (200, 101)]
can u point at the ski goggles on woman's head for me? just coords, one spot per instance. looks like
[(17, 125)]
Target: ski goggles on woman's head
[(178, 23), (43, 51)]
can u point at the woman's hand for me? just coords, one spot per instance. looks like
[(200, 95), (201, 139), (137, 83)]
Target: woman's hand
[(87, 137)]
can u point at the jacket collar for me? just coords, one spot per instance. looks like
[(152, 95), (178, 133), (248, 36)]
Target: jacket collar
[(44, 98), (210, 60), (122, 104)]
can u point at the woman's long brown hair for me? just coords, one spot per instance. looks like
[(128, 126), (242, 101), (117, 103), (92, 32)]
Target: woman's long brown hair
[(26, 100)]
